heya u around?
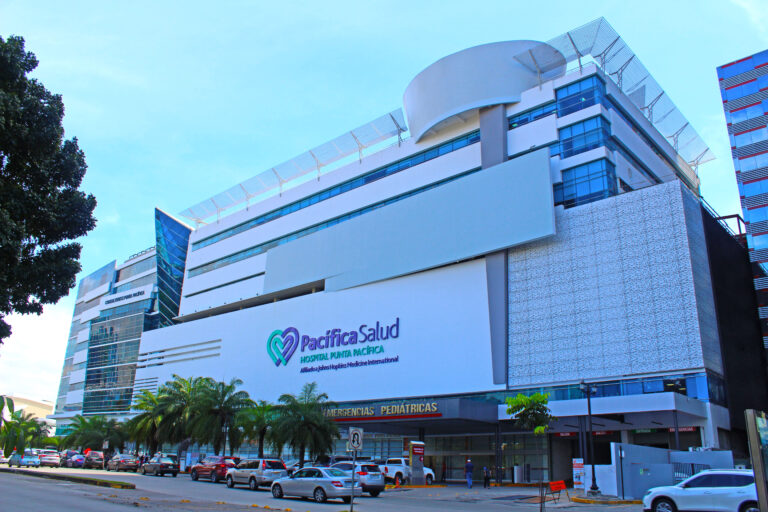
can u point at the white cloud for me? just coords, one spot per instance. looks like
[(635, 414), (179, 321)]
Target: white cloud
[(32, 357), (757, 14)]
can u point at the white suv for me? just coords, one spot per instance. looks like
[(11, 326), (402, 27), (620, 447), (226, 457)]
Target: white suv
[(715, 490)]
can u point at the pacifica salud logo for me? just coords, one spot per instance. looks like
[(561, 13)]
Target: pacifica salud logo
[(282, 344)]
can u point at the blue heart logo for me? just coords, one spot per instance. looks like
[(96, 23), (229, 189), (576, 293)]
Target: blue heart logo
[(282, 344)]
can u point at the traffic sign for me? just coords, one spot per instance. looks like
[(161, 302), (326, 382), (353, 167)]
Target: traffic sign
[(356, 438)]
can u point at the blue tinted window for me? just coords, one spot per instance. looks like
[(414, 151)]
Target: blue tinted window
[(742, 90), (758, 242), (579, 95), (586, 183), (757, 214), (532, 115), (734, 69), (748, 113), (750, 137), (754, 188), (753, 162), (584, 136), (377, 174)]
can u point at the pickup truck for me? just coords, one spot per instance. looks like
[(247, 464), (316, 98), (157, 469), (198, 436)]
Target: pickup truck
[(398, 471)]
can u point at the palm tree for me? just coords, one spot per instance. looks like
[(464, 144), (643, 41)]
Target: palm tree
[(303, 425), (176, 402), (17, 432), (143, 428), (94, 431), (38, 431), (216, 412), (256, 422)]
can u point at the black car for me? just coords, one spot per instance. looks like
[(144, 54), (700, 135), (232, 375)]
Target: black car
[(94, 460), (65, 455), (122, 462), (159, 466)]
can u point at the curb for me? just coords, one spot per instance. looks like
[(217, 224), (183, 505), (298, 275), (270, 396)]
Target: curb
[(594, 501), (71, 478)]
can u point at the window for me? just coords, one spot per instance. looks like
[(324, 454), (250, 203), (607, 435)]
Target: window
[(519, 120), (579, 95), (741, 90), (586, 183), (754, 188), (757, 214), (735, 68), (747, 113), (701, 481), (377, 174), (750, 137), (750, 163), (261, 248), (758, 242), (584, 136)]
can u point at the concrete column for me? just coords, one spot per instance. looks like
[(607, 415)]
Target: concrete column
[(493, 135)]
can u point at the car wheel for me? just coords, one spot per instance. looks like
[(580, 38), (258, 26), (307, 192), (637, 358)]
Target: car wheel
[(429, 479), (277, 491), (750, 506), (214, 477), (374, 494), (144, 471), (230, 481), (193, 474), (107, 469), (320, 495), (252, 485), (174, 474), (663, 505)]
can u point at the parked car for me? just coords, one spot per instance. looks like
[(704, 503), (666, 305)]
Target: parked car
[(159, 466), (256, 472), (122, 462), (49, 458), (4, 459), (398, 471), (64, 457), (214, 468), (714, 490), (318, 484), (94, 460), (369, 475), (29, 459), (76, 460)]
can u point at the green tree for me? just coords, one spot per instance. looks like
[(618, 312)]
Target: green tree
[(176, 403), (6, 402), (303, 425), (256, 423), (41, 208), (216, 414), (93, 431), (143, 428), (17, 432), (530, 412)]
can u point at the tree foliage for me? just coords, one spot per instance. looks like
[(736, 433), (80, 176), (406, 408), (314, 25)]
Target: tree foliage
[(143, 428), (257, 423), (530, 412), (21, 431), (303, 425), (94, 431), (216, 412), (41, 208)]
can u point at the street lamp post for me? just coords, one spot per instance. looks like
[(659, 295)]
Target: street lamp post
[(588, 389)]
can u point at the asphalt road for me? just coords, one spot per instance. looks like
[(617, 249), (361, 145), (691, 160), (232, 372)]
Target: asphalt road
[(29, 493)]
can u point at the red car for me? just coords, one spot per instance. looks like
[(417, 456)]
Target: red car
[(214, 467)]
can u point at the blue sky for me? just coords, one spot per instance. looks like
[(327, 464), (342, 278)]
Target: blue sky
[(173, 102)]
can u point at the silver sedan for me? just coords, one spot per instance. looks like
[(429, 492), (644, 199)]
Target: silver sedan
[(319, 484)]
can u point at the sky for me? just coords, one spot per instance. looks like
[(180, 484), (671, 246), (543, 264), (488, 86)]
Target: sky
[(173, 102)]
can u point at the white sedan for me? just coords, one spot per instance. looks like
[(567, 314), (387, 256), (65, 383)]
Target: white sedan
[(713, 490)]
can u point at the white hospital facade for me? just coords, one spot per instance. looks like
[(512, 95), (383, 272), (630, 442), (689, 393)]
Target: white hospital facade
[(531, 219)]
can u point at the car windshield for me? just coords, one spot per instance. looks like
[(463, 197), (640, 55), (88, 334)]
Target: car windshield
[(335, 472), (273, 464), (370, 468)]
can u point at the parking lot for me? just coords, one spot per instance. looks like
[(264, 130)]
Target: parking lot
[(181, 493)]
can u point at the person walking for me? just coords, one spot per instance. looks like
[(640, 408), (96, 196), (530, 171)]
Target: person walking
[(486, 478), (468, 468)]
